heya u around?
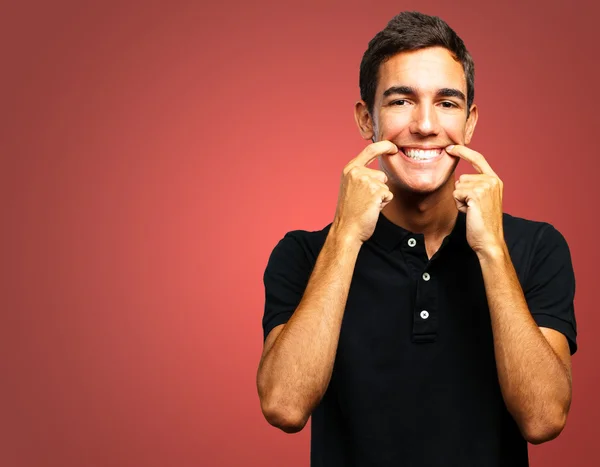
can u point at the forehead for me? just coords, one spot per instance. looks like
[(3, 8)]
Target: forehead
[(426, 70)]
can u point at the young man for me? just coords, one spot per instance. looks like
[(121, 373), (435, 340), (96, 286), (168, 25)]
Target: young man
[(422, 327)]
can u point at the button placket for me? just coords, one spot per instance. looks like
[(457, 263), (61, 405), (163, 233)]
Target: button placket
[(425, 320), (424, 313)]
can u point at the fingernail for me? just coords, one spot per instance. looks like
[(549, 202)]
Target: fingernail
[(449, 148)]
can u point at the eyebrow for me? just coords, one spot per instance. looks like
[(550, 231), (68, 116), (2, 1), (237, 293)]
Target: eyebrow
[(409, 91)]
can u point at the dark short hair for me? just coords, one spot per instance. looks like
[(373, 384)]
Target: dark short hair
[(407, 31)]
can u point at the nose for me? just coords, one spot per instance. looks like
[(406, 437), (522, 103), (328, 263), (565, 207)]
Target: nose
[(424, 121)]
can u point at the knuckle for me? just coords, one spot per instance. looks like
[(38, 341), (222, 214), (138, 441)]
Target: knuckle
[(352, 171)]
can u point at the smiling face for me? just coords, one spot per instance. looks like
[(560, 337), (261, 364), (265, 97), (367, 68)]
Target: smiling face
[(420, 106)]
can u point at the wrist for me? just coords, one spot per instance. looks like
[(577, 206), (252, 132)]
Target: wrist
[(493, 252), (344, 237)]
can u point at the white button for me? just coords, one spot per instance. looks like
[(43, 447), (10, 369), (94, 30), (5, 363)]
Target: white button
[(424, 314), (412, 242), (426, 276)]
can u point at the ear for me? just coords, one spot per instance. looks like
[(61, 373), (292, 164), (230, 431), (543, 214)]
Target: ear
[(471, 122), (363, 120)]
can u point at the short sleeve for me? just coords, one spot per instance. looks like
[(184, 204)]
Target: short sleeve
[(550, 285), (285, 279)]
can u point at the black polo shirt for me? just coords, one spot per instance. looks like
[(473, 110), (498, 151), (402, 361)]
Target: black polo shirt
[(414, 382)]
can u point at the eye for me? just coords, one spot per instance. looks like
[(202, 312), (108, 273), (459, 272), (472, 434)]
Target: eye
[(399, 102), (449, 105)]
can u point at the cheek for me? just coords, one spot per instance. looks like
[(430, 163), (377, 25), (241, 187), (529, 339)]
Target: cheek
[(390, 126), (454, 128)]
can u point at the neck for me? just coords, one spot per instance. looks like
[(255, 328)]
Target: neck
[(431, 214)]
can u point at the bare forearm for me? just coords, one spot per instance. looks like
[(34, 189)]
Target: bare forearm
[(296, 371), (535, 383)]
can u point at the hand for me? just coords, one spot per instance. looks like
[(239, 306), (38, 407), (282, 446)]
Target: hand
[(480, 197), (363, 193)]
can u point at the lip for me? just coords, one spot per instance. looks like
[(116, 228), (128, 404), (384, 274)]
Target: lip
[(423, 162)]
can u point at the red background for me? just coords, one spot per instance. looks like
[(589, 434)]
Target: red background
[(152, 155)]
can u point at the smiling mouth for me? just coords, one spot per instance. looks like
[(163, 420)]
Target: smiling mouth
[(422, 155)]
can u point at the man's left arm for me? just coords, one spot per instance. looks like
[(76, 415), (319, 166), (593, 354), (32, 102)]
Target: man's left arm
[(533, 361)]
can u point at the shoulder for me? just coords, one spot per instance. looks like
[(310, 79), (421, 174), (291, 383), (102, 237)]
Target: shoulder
[(300, 245), (529, 234), (543, 263), (533, 243)]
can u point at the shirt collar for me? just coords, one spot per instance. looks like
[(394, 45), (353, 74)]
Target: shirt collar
[(389, 235)]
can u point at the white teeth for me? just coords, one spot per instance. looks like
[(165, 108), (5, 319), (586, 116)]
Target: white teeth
[(422, 154)]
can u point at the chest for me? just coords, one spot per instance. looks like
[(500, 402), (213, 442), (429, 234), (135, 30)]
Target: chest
[(405, 312)]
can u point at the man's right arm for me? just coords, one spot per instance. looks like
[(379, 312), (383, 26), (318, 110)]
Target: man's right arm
[(297, 361), (298, 357)]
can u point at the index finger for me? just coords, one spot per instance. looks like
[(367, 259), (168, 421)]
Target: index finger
[(372, 151), (476, 159)]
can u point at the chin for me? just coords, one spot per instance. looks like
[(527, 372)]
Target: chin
[(419, 187)]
